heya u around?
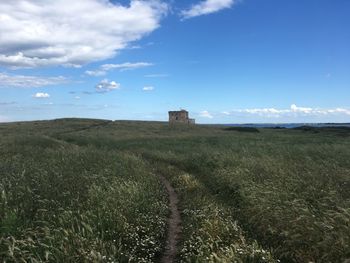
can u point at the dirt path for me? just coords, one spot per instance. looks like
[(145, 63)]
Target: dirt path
[(174, 224)]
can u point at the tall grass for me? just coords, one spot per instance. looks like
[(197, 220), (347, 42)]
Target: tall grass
[(87, 190), (287, 190), (64, 203)]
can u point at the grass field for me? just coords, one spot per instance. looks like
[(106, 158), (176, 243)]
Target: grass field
[(75, 190)]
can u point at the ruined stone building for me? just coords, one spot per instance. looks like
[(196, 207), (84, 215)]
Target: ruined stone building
[(180, 117)]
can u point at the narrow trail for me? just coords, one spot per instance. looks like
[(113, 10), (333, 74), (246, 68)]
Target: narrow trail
[(174, 224)]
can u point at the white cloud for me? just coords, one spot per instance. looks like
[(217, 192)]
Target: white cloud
[(125, 66), (77, 97), (122, 67), (148, 88), (3, 119), (41, 95), (156, 76), (105, 86), (134, 47), (293, 111), (72, 33), (295, 108), (207, 7), (95, 73), (267, 112), (206, 114), (22, 81)]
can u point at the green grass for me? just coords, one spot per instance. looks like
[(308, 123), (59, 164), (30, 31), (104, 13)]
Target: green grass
[(65, 203), (83, 190)]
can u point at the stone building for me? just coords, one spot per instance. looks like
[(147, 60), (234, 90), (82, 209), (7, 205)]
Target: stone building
[(180, 117)]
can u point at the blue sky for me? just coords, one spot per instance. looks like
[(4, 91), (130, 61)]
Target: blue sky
[(224, 61)]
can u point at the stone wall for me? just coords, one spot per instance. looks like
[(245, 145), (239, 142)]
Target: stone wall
[(180, 117)]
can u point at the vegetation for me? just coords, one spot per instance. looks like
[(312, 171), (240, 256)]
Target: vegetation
[(64, 203), (242, 129), (87, 190)]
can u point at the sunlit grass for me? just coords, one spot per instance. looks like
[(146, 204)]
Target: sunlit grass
[(88, 190)]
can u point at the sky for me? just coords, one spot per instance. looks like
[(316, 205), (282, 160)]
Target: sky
[(225, 61)]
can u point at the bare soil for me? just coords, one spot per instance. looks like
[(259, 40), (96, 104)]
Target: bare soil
[(174, 224)]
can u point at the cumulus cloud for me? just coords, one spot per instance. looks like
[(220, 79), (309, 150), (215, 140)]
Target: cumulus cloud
[(72, 33), (121, 67), (293, 111), (295, 108), (41, 95), (22, 81), (206, 114), (207, 7), (106, 86), (148, 88)]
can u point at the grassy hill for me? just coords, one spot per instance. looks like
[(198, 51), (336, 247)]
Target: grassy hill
[(81, 190)]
